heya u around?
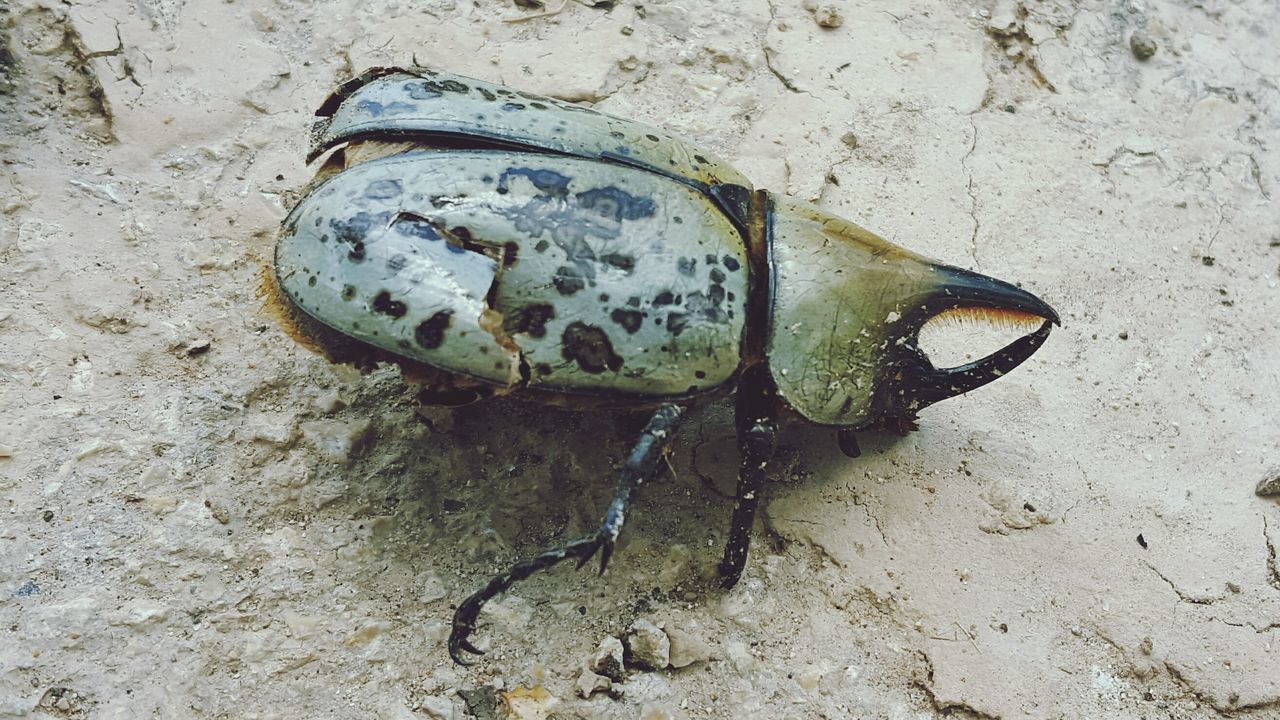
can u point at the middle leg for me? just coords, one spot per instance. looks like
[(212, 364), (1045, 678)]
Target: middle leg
[(756, 418)]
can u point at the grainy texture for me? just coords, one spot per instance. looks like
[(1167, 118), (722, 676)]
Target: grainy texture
[(198, 517)]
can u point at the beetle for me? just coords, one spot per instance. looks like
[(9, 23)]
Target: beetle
[(494, 242)]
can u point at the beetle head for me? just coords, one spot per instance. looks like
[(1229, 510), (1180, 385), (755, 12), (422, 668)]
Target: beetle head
[(847, 314)]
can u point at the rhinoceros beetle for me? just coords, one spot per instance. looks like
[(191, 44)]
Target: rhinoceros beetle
[(495, 242)]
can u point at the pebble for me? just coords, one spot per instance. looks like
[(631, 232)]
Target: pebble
[(1142, 45), (1004, 19), (826, 14), (1269, 485), (438, 707), (607, 660), (687, 648), (533, 703), (647, 646), (590, 683)]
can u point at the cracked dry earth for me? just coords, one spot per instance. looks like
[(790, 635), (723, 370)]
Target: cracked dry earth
[(200, 519)]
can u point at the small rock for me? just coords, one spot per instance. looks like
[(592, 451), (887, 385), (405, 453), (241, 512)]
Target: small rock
[(197, 347), (481, 701), (338, 439), (589, 683), (1269, 485), (826, 14), (686, 648), (1004, 19), (1141, 44), (607, 660), (438, 707), (849, 139), (218, 511), (647, 646), (432, 589), (533, 703)]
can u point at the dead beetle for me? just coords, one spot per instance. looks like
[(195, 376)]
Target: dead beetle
[(491, 241)]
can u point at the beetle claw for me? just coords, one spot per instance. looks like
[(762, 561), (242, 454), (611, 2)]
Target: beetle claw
[(458, 643), (606, 551)]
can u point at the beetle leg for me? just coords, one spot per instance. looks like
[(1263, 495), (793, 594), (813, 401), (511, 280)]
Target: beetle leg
[(756, 417), (639, 467)]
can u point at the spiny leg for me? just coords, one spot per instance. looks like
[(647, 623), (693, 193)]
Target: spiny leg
[(639, 467), (756, 418)]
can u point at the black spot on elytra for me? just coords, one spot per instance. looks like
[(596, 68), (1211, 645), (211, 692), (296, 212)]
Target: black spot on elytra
[(630, 320), (543, 368), (711, 260), (487, 95), (701, 159), (700, 374), (686, 266), (375, 108), (430, 332), (677, 322), (590, 347), (666, 297), (732, 263), (652, 138), (348, 292), (634, 301), (537, 106), (708, 307), (717, 275), (383, 190), (430, 89), (546, 181), (382, 303), (625, 263), (616, 203), (396, 262), (530, 319), (568, 280), (542, 246), (355, 230), (511, 107)]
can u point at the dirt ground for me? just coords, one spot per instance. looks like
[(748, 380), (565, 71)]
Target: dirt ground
[(198, 518)]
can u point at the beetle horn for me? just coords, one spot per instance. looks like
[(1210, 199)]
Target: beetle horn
[(965, 292)]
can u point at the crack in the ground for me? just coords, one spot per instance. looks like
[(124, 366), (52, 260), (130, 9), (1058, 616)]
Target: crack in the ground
[(768, 55), (945, 707), (973, 198), (1182, 596), (1272, 568)]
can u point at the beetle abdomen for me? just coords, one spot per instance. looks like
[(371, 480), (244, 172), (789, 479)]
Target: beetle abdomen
[(520, 268)]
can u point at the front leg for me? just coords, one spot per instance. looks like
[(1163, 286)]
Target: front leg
[(756, 418), (640, 466)]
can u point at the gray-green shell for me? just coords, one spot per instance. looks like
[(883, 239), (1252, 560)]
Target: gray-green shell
[(420, 102), (570, 274)]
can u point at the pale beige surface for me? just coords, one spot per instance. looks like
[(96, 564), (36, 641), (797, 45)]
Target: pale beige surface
[(249, 532)]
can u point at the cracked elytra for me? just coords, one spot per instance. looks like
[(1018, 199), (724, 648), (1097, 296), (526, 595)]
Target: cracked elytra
[(545, 250)]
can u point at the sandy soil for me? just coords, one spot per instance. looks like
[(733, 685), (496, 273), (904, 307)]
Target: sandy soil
[(198, 518)]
